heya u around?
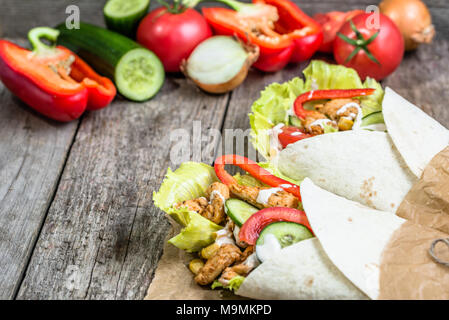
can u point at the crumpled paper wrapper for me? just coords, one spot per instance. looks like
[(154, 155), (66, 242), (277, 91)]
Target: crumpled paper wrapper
[(427, 203), (174, 281)]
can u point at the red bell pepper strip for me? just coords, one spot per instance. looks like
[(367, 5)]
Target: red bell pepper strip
[(279, 28), (250, 230), (253, 169), (326, 94), (52, 80)]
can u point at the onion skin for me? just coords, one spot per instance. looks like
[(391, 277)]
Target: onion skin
[(253, 55), (413, 20)]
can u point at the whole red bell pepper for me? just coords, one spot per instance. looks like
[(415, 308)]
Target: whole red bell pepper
[(253, 169), (52, 80), (282, 31), (301, 113)]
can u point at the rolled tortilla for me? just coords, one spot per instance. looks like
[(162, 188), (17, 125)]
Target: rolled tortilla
[(301, 271), (383, 255), (360, 165), (417, 136)]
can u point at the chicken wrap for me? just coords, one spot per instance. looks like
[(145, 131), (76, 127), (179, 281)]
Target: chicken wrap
[(248, 236), (374, 162), (385, 256)]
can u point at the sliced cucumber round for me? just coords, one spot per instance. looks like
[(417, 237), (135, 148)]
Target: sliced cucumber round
[(124, 16), (287, 233), (239, 211), (139, 74), (373, 118)]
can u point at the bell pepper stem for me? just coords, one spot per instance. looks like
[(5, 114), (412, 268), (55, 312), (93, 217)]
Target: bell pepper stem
[(35, 35)]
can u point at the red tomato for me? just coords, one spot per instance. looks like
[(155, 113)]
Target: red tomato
[(387, 48), (172, 36), (331, 22), (291, 135), (253, 226)]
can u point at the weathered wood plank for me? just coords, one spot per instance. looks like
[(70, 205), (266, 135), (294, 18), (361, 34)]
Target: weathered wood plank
[(18, 16), (103, 236), (32, 154)]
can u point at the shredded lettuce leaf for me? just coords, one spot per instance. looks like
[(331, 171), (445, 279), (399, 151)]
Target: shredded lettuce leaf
[(275, 103), (197, 233), (188, 182), (234, 283)]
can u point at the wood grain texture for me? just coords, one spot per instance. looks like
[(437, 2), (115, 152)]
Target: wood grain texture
[(103, 236), (32, 154)]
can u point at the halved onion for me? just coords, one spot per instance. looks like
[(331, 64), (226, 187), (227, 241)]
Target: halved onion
[(220, 63)]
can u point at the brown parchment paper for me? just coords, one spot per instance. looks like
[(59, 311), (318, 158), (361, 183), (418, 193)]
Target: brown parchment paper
[(407, 271), (427, 203), (173, 279)]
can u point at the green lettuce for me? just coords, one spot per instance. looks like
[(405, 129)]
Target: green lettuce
[(188, 182), (275, 103), (234, 283), (197, 233)]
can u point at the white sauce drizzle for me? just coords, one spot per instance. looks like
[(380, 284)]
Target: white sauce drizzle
[(286, 186), (215, 193), (252, 261), (358, 117), (297, 133), (224, 236), (320, 122), (275, 145), (265, 194), (269, 248)]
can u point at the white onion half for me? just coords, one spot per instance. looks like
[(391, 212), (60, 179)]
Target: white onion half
[(220, 63)]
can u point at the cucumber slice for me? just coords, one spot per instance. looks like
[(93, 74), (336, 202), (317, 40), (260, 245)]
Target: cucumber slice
[(373, 118), (287, 233), (139, 74), (124, 16), (239, 211), (294, 121)]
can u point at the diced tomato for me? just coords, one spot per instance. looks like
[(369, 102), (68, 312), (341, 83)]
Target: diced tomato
[(290, 135)]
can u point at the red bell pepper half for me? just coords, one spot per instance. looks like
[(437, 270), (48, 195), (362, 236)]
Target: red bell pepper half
[(282, 31), (252, 227), (253, 169), (52, 80), (326, 94)]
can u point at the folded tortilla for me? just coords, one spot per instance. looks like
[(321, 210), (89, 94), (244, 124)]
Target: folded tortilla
[(384, 255), (301, 271), (361, 165), (416, 135)]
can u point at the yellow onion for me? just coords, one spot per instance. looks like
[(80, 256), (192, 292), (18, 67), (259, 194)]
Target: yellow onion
[(220, 63), (413, 20)]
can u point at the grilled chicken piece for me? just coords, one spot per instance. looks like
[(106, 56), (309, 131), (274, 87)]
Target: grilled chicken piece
[(198, 205), (226, 255), (217, 193), (313, 128), (332, 107), (280, 198), (243, 268)]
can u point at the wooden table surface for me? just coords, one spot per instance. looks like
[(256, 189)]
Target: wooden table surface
[(76, 214)]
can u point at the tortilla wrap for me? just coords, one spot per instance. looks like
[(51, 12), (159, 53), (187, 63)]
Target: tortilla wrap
[(384, 255), (301, 271), (416, 135), (362, 165)]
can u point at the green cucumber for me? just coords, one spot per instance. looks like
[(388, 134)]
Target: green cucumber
[(124, 16), (294, 121), (373, 118), (239, 211), (287, 233), (137, 72)]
